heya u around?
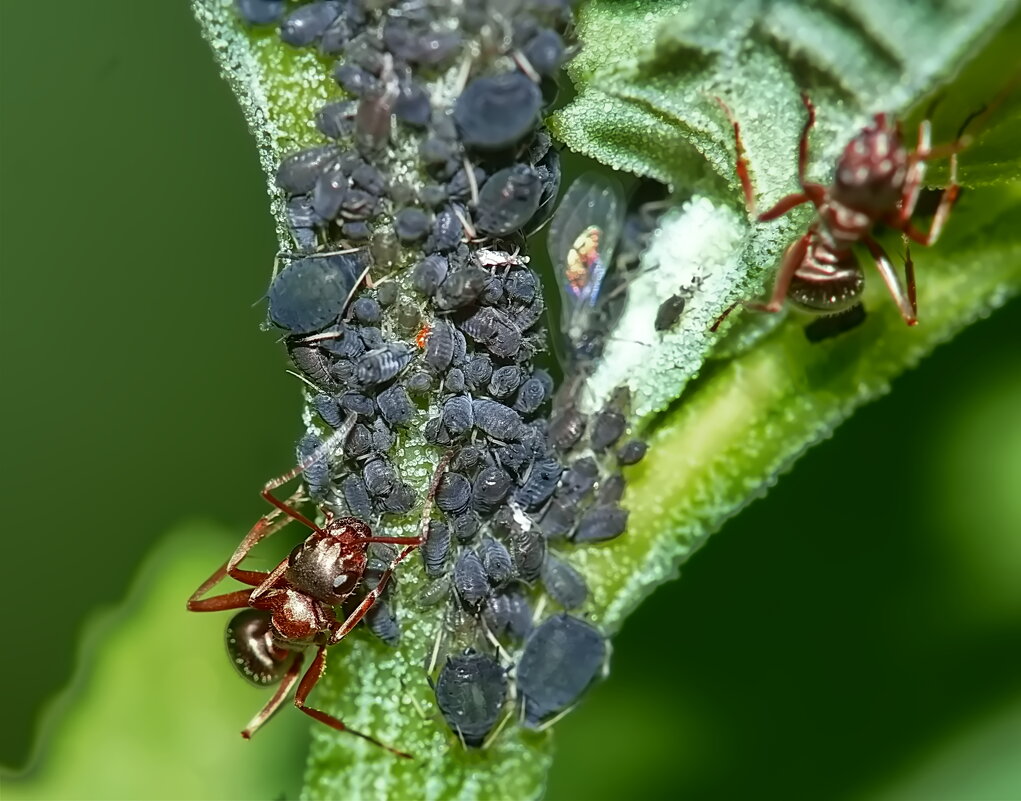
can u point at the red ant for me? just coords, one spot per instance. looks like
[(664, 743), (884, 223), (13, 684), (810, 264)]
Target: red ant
[(877, 180), (291, 608)]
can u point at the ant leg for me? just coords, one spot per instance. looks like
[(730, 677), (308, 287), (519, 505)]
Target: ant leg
[(803, 141), (946, 205), (909, 276), (792, 260), (308, 681), (238, 599), (904, 299), (742, 159), (330, 444), (264, 714)]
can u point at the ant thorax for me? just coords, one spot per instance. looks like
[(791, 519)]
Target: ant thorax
[(872, 169), (327, 568), (296, 618)]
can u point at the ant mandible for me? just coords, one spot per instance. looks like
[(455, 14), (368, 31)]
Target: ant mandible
[(877, 180), (291, 608)]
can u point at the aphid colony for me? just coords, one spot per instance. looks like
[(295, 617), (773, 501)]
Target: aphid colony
[(408, 310)]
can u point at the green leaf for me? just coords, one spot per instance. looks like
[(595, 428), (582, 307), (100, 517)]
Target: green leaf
[(646, 81), (154, 710)]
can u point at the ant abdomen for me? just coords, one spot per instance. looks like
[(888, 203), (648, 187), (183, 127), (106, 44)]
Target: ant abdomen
[(252, 652), (836, 291)]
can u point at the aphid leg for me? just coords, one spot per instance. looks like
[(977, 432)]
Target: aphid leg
[(903, 298), (792, 260), (742, 159), (330, 444), (273, 704), (305, 686)]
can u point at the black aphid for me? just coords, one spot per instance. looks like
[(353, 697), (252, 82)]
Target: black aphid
[(457, 416), (527, 550), (491, 487), (545, 52), (496, 420), (454, 493), (313, 363), (461, 288), (357, 403), (439, 347), (632, 451), (470, 581), (477, 371), (354, 79), (419, 383), (307, 23), (356, 496), (465, 526), (411, 224), (336, 120), (454, 380), (508, 200), (382, 437), (508, 613), (401, 499), (470, 692), (611, 490), (429, 274), (669, 312), (433, 196), (513, 456), (580, 478), (382, 621), (607, 427), (386, 293), (497, 112), (538, 487), (369, 178), (328, 409), (309, 294), (447, 232), (506, 343), (505, 381), (379, 476), (298, 172), (559, 518), (522, 285), (260, 12), (436, 549), (366, 310), (316, 474), (381, 364), (358, 442), (496, 560), (465, 182), (561, 658), (563, 583), (601, 523), (531, 396), (566, 427), (434, 151), (343, 341), (395, 406), (493, 292), (412, 105), (356, 230), (467, 459)]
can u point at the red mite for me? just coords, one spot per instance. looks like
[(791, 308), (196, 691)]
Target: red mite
[(291, 608), (877, 180), (423, 335)]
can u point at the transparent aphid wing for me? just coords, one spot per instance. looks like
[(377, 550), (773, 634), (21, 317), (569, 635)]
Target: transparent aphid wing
[(582, 237)]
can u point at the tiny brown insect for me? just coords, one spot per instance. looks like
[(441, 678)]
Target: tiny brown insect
[(877, 180)]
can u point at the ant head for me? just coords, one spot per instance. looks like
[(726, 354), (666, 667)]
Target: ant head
[(870, 174)]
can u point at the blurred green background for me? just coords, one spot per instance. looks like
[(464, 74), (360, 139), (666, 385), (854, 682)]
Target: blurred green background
[(858, 633)]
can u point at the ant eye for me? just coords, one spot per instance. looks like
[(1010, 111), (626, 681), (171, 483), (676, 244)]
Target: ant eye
[(340, 581)]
